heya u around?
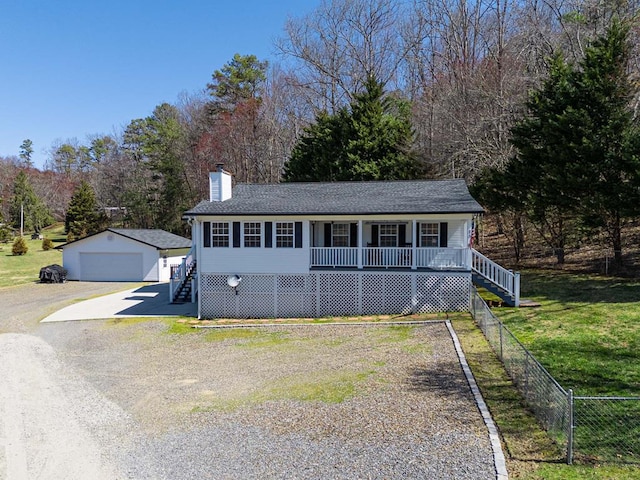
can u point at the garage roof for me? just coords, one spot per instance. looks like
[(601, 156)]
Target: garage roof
[(159, 239)]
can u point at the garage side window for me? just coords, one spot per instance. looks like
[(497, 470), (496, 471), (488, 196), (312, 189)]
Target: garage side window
[(219, 234)]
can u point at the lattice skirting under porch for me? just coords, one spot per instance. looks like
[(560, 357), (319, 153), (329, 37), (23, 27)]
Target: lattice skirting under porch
[(322, 294)]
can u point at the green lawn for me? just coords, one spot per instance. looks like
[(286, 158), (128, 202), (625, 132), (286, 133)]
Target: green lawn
[(20, 269), (586, 331), (587, 334)]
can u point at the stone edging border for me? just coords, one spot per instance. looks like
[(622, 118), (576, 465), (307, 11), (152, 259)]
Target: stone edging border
[(496, 446)]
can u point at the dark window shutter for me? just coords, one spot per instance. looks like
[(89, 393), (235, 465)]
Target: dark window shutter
[(402, 235), (268, 234), (206, 234), (374, 235), (236, 234), (298, 235), (444, 234), (416, 235), (327, 234), (353, 235)]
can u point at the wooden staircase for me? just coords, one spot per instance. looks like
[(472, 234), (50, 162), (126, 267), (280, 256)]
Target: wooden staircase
[(501, 282), (482, 282)]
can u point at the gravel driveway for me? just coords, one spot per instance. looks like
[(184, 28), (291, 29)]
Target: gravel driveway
[(128, 400)]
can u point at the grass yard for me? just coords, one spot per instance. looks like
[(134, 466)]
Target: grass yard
[(20, 269), (587, 334)]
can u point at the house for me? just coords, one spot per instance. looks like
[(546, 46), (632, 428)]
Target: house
[(124, 255), (331, 249)]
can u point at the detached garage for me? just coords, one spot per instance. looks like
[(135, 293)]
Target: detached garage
[(124, 255)]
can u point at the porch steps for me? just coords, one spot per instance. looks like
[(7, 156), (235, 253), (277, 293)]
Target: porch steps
[(500, 292), (183, 292)]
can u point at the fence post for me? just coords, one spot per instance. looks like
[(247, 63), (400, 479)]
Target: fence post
[(516, 288), (570, 433), (501, 340)]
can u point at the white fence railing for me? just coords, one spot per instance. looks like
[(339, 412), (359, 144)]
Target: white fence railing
[(442, 258), (508, 280), (386, 257), (334, 257), (395, 257)]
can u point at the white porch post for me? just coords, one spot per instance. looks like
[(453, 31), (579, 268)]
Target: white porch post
[(360, 244), (415, 237)]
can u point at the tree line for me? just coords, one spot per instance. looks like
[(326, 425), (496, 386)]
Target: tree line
[(361, 89)]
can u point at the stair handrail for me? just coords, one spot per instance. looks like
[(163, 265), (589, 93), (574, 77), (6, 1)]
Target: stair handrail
[(508, 280), (181, 273)]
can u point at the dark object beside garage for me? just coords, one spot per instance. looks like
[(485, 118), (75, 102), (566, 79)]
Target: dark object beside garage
[(53, 274)]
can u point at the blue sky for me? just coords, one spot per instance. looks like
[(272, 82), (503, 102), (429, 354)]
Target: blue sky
[(73, 68)]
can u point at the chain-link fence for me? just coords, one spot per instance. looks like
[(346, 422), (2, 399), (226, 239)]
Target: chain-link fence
[(548, 400), (606, 429), (596, 428)]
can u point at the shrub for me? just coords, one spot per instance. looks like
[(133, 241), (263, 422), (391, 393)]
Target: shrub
[(47, 244), (19, 246), (5, 233)]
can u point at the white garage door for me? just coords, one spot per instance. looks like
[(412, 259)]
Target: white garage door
[(111, 267)]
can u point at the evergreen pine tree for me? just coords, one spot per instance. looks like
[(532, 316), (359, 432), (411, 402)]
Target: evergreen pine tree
[(82, 218), (368, 141)]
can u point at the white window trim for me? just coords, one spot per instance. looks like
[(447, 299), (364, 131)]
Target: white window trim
[(291, 236), (347, 235), (381, 235), (261, 235), (214, 235), (436, 235)]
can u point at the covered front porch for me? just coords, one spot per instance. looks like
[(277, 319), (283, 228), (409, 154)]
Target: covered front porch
[(390, 244)]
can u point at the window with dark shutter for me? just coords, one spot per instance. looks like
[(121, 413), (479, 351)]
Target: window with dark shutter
[(219, 234), (429, 234), (285, 235)]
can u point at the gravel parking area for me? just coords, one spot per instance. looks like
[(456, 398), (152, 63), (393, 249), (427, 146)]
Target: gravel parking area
[(301, 402)]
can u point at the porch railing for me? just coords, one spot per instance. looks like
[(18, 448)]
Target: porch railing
[(334, 257), (442, 258), (508, 280), (386, 257), (390, 257)]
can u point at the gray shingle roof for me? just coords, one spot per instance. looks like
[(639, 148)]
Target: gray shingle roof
[(159, 239), (345, 198)]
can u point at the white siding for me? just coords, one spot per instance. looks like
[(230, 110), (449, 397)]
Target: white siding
[(242, 260), (457, 234), (254, 260), (109, 243), (164, 265)]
